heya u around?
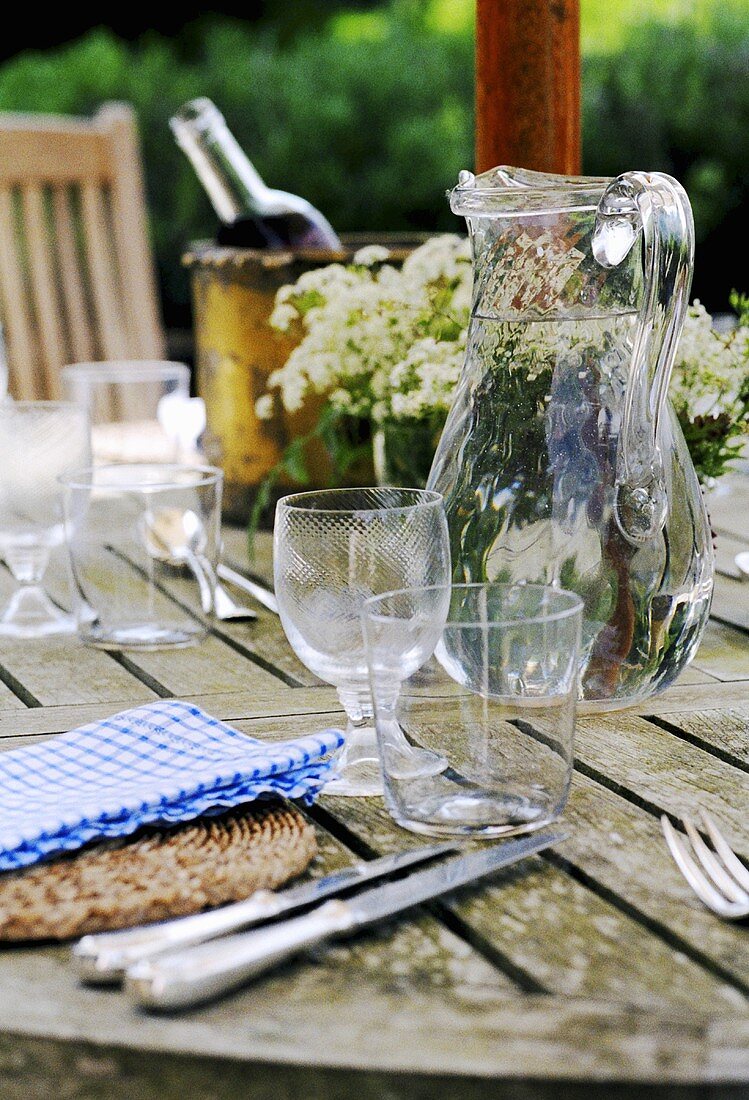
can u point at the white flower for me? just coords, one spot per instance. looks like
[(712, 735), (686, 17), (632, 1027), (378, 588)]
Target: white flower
[(389, 342), (710, 368), (341, 399), (283, 315), (264, 406), (386, 342), (380, 341), (371, 254), (446, 257), (285, 294)]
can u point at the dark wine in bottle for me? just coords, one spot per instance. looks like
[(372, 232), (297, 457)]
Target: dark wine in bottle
[(252, 215)]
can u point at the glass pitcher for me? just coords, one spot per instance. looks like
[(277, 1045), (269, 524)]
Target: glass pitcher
[(562, 461)]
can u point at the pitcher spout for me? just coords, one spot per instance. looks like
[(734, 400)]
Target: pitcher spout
[(499, 188)]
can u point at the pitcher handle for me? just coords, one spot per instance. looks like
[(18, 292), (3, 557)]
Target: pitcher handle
[(657, 205)]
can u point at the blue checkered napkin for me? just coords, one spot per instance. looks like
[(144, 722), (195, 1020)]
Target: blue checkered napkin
[(166, 761)]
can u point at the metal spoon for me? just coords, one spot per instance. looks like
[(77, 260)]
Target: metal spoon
[(742, 564), (262, 595), (179, 538)]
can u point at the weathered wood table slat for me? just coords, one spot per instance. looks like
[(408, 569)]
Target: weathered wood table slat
[(590, 970)]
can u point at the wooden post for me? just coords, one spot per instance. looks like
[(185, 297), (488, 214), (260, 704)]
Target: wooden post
[(528, 84)]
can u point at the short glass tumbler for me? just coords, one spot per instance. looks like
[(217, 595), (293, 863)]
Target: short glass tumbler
[(143, 541), (332, 550), (494, 693), (140, 410)]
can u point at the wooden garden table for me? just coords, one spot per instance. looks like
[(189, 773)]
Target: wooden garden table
[(591, 970)]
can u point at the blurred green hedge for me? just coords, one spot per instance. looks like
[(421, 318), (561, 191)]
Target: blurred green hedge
[(676, 98), (373, 126)]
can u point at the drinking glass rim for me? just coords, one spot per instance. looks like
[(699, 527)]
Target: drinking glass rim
[(430, 498), (127, 370), (85, 476), (575, 607)]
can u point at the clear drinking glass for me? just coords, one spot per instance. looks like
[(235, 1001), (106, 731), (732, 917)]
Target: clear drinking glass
[(143, 541), (333, 549), (493, 690), (141, 411), (39, 441)]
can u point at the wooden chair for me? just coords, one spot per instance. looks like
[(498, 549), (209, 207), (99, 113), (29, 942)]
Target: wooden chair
[(77, 278)]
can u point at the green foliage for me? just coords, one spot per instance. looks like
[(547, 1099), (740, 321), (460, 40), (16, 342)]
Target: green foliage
[(717, 436), (370, 116), (372, 131), (601, 33), (740, 305), (714, 442), (675, 98), (347, 442)]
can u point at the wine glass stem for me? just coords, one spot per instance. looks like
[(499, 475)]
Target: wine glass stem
[(30, 613), (361, 742), (27, 563), (357, 704)]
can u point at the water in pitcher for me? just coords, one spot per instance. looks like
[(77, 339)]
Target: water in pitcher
[(531, 495), (561, 460)]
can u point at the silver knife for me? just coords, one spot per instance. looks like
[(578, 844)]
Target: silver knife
[(185, 978), (102, 959), (262, 595)]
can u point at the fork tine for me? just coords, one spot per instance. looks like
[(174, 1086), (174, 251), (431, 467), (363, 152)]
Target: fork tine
[(702, 887), (714, 868), (730, 859)]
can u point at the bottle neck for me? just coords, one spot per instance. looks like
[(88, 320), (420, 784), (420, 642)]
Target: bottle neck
[(233, 185)]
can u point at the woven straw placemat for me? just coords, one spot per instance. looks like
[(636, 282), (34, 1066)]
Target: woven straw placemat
[(157, 873)]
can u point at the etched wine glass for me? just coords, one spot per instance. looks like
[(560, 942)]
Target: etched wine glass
[(39, 441), (334, 549)]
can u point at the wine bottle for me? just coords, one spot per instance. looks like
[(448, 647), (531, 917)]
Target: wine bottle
[(252, 215)]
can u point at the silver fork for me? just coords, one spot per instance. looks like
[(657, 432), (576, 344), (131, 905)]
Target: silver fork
[(717, 875)]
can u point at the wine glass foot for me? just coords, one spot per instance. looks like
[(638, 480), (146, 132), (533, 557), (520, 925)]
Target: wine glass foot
[(357, 764), (356, 781), (31, 614)]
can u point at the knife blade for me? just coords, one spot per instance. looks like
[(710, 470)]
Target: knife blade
[(186, 978), (262, 595), (103, 958)]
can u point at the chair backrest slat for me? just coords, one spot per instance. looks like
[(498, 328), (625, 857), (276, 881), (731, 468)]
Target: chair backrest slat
[(76, 272), (133, 249), (53, 346), (82, 343), (101, 273), (20, 337)]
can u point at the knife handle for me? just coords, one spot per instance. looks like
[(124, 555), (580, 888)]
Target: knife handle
[(103, 959), (198, 974)]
